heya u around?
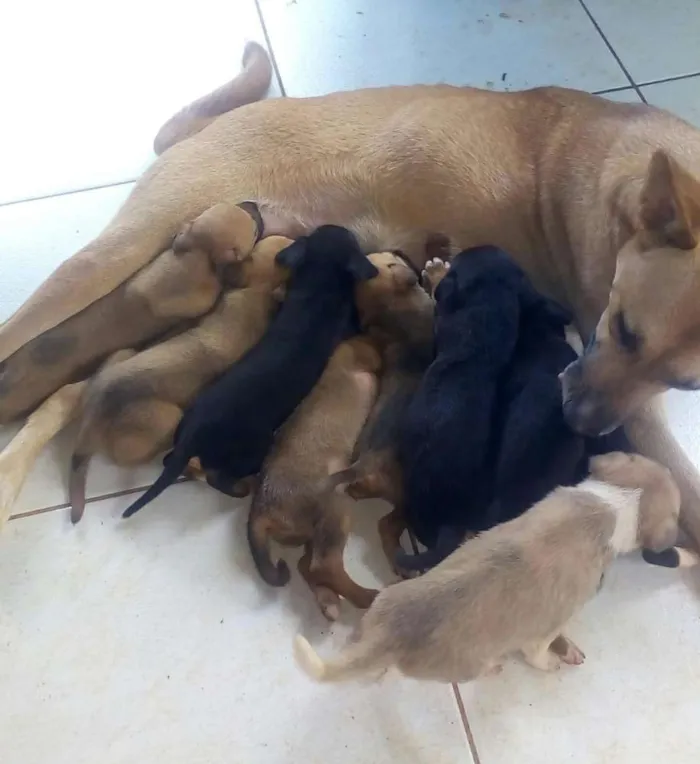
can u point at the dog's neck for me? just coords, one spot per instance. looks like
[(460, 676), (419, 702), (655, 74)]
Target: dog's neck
[(624, 504)]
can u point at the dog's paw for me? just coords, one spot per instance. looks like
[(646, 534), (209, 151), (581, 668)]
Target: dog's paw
[(328, 602), (568, 652), (434, 272)]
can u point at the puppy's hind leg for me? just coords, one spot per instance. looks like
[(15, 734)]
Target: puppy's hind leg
[(549, 653), (391, 527), (328, 600), (327, 565)]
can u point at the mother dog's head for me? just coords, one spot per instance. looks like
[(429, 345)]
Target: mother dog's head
[(648, 338)]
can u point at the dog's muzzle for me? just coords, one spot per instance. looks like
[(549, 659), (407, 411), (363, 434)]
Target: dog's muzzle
[(585, 411)]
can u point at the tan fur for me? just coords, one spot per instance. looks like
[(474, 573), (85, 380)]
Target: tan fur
[(132, 409), (293, 505), (558, 178), (182, 283), (512, 588)]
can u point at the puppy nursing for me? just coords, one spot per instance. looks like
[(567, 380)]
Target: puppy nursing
[(132, 409), (182, 283), (513, 588)]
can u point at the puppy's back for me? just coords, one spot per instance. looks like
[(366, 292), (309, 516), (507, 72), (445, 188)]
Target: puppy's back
[(511, 585)]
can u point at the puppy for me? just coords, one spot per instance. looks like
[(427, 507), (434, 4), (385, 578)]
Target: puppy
[(446, 434), (534, 449), (407, 351), (230, 426), (132, 409), (182, 283), (513, 588), (293, 504)]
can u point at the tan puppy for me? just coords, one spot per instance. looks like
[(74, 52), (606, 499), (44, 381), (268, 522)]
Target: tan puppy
[(132, 409), (513, 588), (562, 180), (182, 283), (293, 504)]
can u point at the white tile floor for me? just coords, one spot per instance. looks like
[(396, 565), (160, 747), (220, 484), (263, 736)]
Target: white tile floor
[(154, 641)]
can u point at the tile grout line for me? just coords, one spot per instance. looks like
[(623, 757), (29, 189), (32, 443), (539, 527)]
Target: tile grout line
[(674, 78), (465, 723), (268, 43), (68, 192), (89, 500), (611, 49)]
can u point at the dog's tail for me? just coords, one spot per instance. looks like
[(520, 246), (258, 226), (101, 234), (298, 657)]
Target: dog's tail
[(358, 659), (174, 465), (76, 485), (259, 543), (248, 86)]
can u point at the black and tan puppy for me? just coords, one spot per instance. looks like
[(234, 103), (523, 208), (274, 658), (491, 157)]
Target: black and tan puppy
[(131, 409), (446, 434), (294, 505), (182, 283), (231, 425)]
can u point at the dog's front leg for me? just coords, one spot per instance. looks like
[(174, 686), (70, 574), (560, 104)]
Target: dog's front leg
[(649, 432)]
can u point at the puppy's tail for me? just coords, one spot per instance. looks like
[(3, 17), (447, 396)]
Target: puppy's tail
[(175, 464), (358, 659), (259, 543), (76, 485), (248, 86)]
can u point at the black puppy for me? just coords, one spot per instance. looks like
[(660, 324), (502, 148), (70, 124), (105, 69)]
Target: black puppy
[(534, 449), (230, 426), (447, 431)]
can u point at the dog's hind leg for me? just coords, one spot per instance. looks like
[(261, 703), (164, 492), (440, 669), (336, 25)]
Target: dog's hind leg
[(327, 565), (391, 527), (328, 600), (20, 454)]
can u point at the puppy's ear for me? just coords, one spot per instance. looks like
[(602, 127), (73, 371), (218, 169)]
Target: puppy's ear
[(670, 202), (291, 256), (360, 268)]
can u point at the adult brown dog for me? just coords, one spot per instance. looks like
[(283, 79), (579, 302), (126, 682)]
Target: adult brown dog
[(583, 192)]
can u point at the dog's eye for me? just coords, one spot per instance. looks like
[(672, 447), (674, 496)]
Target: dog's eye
[(629, 340)]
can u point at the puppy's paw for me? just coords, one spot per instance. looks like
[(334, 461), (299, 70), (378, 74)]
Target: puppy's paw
[(328, 602), (183, 241), (434, 272), (569, 652)]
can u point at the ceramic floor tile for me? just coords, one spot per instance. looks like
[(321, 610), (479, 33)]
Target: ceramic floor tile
[(154, 640), (635, 699), (510, 44), (653, 40), (36, 236), (682, 97), (92, 83)]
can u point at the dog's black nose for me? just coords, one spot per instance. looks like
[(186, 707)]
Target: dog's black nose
[(586, 415)]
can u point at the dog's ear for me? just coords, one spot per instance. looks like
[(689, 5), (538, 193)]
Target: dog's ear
[(404, 278), (531, 299), (291, 256), (670, 202), (557, 312), (360, 268)]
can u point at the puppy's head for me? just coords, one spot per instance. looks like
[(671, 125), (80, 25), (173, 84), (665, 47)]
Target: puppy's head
[(660, 499), (648, 338), (394, 301), (477, 268), (227, 233), (329, 248)]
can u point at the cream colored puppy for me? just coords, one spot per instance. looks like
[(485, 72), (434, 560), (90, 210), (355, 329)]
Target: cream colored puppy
[(513, 588)]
